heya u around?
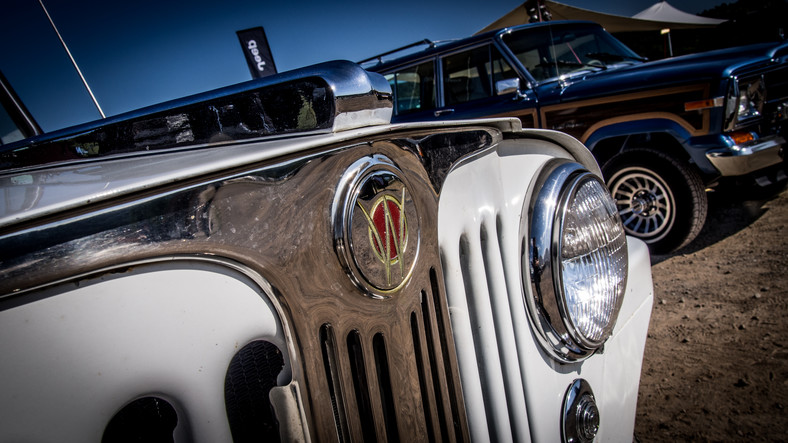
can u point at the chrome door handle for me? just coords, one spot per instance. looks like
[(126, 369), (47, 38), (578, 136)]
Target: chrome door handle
[(440, 112)]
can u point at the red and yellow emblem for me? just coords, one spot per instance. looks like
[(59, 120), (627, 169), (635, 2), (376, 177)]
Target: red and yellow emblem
[(376, 226), (388, 231)]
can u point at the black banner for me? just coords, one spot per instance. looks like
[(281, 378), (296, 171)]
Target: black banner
[(258, 53)]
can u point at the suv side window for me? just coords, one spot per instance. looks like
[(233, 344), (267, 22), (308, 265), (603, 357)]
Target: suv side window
[(414, 88), (471, 75)]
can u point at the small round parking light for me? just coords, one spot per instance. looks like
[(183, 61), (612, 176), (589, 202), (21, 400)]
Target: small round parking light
[(580, 422)]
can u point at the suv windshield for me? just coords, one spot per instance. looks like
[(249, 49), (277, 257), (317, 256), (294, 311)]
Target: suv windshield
[(552, 51)]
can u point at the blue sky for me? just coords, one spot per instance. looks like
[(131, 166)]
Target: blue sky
[(136, 53)]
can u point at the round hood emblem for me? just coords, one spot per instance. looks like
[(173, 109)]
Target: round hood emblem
[(376, 226)]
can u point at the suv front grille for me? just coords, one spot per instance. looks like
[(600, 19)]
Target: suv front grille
[(776, 84)]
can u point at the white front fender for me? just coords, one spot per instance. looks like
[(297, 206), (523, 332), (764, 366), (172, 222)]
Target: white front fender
[(83, 350)]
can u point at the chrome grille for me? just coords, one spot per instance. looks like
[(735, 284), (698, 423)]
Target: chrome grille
[(366, 394)]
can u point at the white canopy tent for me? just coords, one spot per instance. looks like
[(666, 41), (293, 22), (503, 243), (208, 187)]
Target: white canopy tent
[(659, 16), (665, 13)]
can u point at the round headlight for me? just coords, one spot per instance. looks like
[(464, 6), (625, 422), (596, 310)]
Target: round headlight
[(593, 259), (576, 261)]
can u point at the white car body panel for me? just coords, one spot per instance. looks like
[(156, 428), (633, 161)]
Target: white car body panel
[(488, 193), (172, 329)]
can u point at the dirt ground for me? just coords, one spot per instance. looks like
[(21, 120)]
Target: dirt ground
[(716, 362)]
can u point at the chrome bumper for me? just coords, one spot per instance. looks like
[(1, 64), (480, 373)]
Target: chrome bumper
[(744, 159)]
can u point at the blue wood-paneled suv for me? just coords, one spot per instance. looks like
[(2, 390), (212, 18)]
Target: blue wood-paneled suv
[(663, 131)]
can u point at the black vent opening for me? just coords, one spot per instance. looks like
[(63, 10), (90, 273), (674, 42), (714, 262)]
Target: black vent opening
[(433, 357), (439, 300), (361, 385), (251, 375), (330, 363), (419, 352), (384, 381), (148, 419)]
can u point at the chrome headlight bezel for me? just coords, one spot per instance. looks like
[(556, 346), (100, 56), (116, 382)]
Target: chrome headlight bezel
[(552, 307)]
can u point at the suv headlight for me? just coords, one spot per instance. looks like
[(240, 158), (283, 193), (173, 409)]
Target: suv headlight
[(576, 260), (745, 101)]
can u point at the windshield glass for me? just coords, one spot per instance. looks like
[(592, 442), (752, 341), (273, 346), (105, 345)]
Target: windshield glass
[(555, 50)]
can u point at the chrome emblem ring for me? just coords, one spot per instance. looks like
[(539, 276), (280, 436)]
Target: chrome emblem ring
[(376, 230)]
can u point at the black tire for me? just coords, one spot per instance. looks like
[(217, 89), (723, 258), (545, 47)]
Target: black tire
[(661, 200)]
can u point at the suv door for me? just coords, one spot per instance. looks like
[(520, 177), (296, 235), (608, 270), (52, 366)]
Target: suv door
[(479, 82)]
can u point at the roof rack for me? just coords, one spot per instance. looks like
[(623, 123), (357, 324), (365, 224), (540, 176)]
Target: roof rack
[(379, 57)]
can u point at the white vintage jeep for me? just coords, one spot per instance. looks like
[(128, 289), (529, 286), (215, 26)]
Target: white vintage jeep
[(276, 261)]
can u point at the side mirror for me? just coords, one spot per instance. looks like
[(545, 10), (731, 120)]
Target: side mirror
[(507, 86)]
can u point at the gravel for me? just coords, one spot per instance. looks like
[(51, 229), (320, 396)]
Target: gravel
[(716, 362)]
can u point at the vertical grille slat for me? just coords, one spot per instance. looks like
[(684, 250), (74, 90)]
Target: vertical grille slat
[(361, 386), (462, 327), (427, 395), (503, 323), (330, 363), (485, 340), (384, 384), (441, 320), (435, 373)]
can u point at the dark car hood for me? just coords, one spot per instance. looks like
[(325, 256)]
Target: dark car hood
[(706, 66)]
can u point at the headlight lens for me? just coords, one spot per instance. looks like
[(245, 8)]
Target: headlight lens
[(576, 260), (593, 261), (745, 101)]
